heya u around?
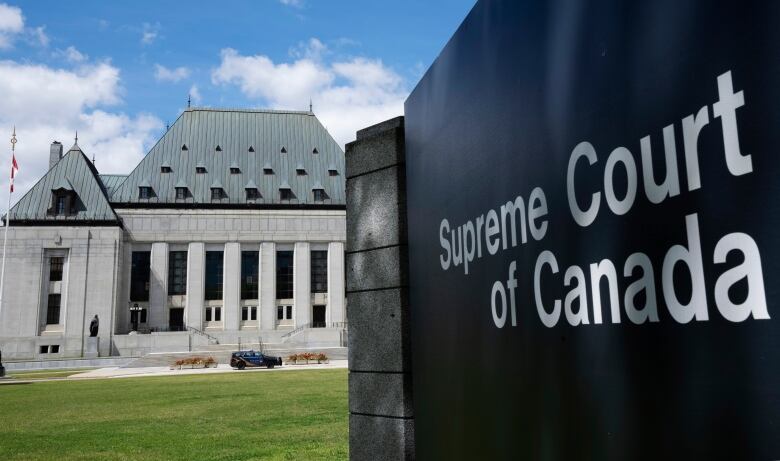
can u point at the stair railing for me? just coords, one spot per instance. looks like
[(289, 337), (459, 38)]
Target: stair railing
[(203, 333)]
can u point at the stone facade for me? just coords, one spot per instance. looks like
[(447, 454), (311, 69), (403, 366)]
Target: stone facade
[(171, 275)]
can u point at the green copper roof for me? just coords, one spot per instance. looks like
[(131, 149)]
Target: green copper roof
[(74, 172), (249, 140)]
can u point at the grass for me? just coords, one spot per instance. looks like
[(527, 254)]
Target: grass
[(42, 374), (293, 415)]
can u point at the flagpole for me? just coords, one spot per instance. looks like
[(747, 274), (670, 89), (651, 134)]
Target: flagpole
[(7, 221)]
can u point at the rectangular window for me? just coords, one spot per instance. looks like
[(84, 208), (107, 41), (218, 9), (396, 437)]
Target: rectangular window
[(53, 309), (177, 273), (289, 312), (144, 192), (319, 271), (214, 269), (216, 194), (140, 272), (279, 312), (217, 314), (319, 195), (56, 265), (181, 193), (43, 350), (208, 314), (54, 349), (286, 194), (244, 313), (253, 313), (252, 194), (60, 207), (284, 274), (249, 274)]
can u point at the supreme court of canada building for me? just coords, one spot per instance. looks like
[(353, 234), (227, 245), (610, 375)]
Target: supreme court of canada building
[(231, 229)]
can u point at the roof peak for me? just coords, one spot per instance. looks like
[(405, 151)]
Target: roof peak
[(254, 111)]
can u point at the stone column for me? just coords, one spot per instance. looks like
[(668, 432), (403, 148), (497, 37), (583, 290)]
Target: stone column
[(336, 282), (231, 288), (302, 283), (158, 284), (381, 422), (268, 286), (196, 272)]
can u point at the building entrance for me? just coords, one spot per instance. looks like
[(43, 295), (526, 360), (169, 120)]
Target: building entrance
[(318, 316), (176, 319)]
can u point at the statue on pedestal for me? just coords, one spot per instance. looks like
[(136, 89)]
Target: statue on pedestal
[(93, 326)]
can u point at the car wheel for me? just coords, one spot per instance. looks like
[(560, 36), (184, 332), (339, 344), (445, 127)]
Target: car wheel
[(241, 365), (270, 365)]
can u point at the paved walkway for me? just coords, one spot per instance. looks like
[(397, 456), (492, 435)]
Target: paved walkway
[(118, 372)]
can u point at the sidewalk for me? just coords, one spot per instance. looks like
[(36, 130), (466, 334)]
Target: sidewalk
[(117, 372)]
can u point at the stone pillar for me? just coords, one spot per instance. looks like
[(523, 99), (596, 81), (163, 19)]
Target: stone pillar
[(158, 285), (381, 422), (336, 282), (196, 273), (231, 288), (268, 286), (302, 283)]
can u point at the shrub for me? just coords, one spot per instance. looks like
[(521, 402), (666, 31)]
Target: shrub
[(322, 358), (293, 358)]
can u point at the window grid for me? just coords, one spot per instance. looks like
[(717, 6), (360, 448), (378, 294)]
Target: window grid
[(214, 274), (249, 274), (177, 273), (284, 274), (55, 268), (319, 271), (53, 309)]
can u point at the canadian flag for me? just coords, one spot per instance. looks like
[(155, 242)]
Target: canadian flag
[(14, 169)]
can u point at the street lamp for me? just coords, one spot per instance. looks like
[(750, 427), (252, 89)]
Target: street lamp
[(135, 312)]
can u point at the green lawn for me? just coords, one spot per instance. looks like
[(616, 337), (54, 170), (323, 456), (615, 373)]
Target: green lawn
[(281, 415)]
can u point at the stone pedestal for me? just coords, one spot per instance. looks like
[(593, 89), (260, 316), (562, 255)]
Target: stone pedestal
[(91, 348), (381, 422)]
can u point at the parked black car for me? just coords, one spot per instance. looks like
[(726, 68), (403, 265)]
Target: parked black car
[(243, 359)]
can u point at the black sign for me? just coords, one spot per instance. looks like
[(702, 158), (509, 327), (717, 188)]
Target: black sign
[(594, 202)]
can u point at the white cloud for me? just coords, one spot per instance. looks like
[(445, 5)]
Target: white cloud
[(348, 94), (163, 74), (11, 23), (149, 33), (46, 103), (295, 3), (38, 36), (195, 95), (71, 54)]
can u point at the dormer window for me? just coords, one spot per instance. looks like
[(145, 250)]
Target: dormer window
[(332, 171), (63, 202), (200, 169), (300, 170), (252, 194), (218, 149), (285, 192), (181, 193), (284, 150), (251, 149), (184, 147), (267, 169), (165, 169), (217, 192), (234, 169), (319, 195), (144, 192), (315, 151)]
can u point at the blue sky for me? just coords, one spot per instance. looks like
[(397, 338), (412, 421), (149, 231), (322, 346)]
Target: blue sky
[(118, 71)]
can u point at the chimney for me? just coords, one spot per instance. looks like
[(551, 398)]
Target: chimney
[(55, 154)]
